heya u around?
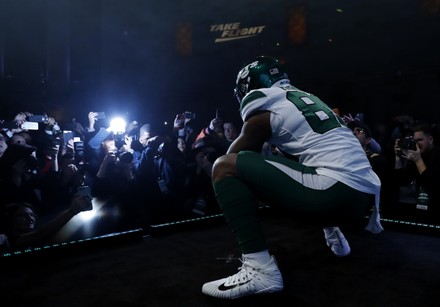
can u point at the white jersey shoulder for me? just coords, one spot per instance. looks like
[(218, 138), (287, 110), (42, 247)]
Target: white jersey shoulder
[(305, 127)]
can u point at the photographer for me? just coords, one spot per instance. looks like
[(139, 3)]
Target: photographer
[(184, 127), (18, 172), (60, 183), (87, 151), (146, 177), (417, 161), (114, 184), (41, 131), (50, 149), (9, 128), (115, 174)]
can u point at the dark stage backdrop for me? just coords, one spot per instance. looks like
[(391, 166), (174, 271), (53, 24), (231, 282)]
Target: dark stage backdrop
[(154, 59)]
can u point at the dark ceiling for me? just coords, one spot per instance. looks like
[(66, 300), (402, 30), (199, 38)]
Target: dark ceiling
[(153, 59)]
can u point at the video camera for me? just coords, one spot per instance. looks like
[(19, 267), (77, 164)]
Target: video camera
[(122, 156)]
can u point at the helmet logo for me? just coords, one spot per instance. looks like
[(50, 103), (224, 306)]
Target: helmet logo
[(245, 71), (244, 79), (253, 64)]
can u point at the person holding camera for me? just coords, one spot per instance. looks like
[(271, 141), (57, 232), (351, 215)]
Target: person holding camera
[(184, 127), (160, 175), (29, 159), (19, 223), (9, 128), (19, 176), (114, 186), (147, 181), (116, 169), (417, 168)]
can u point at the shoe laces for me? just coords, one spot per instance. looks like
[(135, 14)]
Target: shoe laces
[(245, 272)]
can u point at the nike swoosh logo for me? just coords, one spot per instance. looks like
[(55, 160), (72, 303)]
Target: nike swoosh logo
[(224, 288)]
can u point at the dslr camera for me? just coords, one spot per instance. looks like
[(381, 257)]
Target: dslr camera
[(119, 140), (122, 156), (125, 157), (408, 143)]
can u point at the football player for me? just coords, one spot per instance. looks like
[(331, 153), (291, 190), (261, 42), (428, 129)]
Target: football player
[(323, 173)]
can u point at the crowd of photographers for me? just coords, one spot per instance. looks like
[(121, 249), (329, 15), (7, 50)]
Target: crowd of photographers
[(137, 175), (141, 175)]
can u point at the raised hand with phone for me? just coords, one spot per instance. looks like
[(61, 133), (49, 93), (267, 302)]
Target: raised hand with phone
[(216, 125), (83, 201)]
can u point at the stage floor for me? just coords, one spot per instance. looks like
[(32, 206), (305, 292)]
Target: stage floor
[(168, 268)]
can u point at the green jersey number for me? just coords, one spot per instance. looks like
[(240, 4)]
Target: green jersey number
[(319, 116)]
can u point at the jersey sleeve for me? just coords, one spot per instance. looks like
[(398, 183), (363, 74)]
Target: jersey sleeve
[(255, 100)]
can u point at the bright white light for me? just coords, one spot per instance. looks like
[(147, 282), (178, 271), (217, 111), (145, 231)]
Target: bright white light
[(117, 125), (87, 215), (81, 220)]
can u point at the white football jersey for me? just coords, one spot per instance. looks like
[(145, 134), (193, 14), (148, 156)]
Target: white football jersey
[(305, 127)]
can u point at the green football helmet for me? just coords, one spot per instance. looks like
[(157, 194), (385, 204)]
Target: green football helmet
[(261, 72)]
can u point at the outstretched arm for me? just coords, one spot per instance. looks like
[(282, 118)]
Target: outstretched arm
[(79, 203)]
